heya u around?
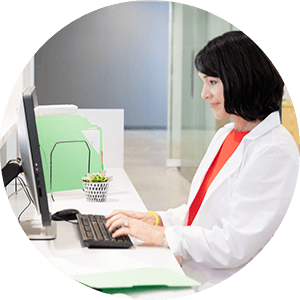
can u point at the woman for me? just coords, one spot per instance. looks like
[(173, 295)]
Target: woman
[(244, 184)]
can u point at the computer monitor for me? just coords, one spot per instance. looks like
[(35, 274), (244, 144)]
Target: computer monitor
[(29, 148)]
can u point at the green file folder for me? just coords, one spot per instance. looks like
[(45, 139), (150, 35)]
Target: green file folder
[(151, 277), (67, 154)]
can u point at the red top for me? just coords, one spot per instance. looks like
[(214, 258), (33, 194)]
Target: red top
[(228, 147)]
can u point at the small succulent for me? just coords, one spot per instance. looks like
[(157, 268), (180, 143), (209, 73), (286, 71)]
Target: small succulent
[(97, 177)]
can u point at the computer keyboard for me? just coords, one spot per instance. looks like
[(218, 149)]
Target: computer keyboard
[(95, 234)]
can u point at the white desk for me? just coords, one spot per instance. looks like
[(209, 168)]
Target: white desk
[(67, 253)]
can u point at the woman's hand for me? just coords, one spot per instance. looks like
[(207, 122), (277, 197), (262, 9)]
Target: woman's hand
[(138, 228), (179, 259), (145, 217)]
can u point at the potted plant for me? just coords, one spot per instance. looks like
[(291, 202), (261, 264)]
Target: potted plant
[(96, 186)]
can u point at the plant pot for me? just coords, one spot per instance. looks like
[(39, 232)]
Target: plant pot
[(96, 191)]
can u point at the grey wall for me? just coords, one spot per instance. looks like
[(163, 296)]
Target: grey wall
[(115, 57)]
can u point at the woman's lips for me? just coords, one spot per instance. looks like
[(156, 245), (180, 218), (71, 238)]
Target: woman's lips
[(213, 104)]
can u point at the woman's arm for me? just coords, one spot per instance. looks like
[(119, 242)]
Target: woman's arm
[(260, 197)]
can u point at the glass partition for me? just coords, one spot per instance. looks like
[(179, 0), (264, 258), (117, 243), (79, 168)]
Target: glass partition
[(191, 123)]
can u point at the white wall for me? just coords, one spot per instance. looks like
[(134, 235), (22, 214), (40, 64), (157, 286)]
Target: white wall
[(112, 58)]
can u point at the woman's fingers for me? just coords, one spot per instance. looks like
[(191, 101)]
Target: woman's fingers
[(113, 219), (113, 213), (128, 213), (122, 225)]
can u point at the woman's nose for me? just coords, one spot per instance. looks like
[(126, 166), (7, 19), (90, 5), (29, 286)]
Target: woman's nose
[(205, 93)]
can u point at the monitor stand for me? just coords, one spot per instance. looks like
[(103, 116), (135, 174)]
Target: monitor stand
[(36, 231)]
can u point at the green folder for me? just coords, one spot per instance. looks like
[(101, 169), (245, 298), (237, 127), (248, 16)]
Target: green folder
[(67, 155), (151, 277)]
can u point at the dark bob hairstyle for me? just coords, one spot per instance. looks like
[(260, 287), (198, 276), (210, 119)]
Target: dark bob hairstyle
[(253, 87)]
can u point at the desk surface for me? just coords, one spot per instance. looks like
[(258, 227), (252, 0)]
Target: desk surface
[(67, 253)]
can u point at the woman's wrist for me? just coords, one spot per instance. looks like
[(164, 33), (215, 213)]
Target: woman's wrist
[(159, 236), (155, 215), (155, 218)]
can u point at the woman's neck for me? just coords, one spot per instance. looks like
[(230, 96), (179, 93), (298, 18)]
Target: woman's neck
[(242, 125)]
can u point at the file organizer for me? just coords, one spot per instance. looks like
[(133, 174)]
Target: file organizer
[(67, 154)]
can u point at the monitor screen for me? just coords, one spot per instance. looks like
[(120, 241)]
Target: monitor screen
[(30, 154)]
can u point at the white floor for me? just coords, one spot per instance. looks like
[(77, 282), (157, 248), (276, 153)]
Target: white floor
[(145, 154)]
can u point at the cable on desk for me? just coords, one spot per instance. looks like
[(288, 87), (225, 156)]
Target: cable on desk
[(24, 187), (17, 191)]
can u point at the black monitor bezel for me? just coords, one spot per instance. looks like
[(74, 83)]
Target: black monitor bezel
[(29, 99)]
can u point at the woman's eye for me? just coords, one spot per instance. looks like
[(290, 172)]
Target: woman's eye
[(213, 82)]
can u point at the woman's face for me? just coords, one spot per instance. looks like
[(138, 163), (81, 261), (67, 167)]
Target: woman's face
[(213, 91)]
